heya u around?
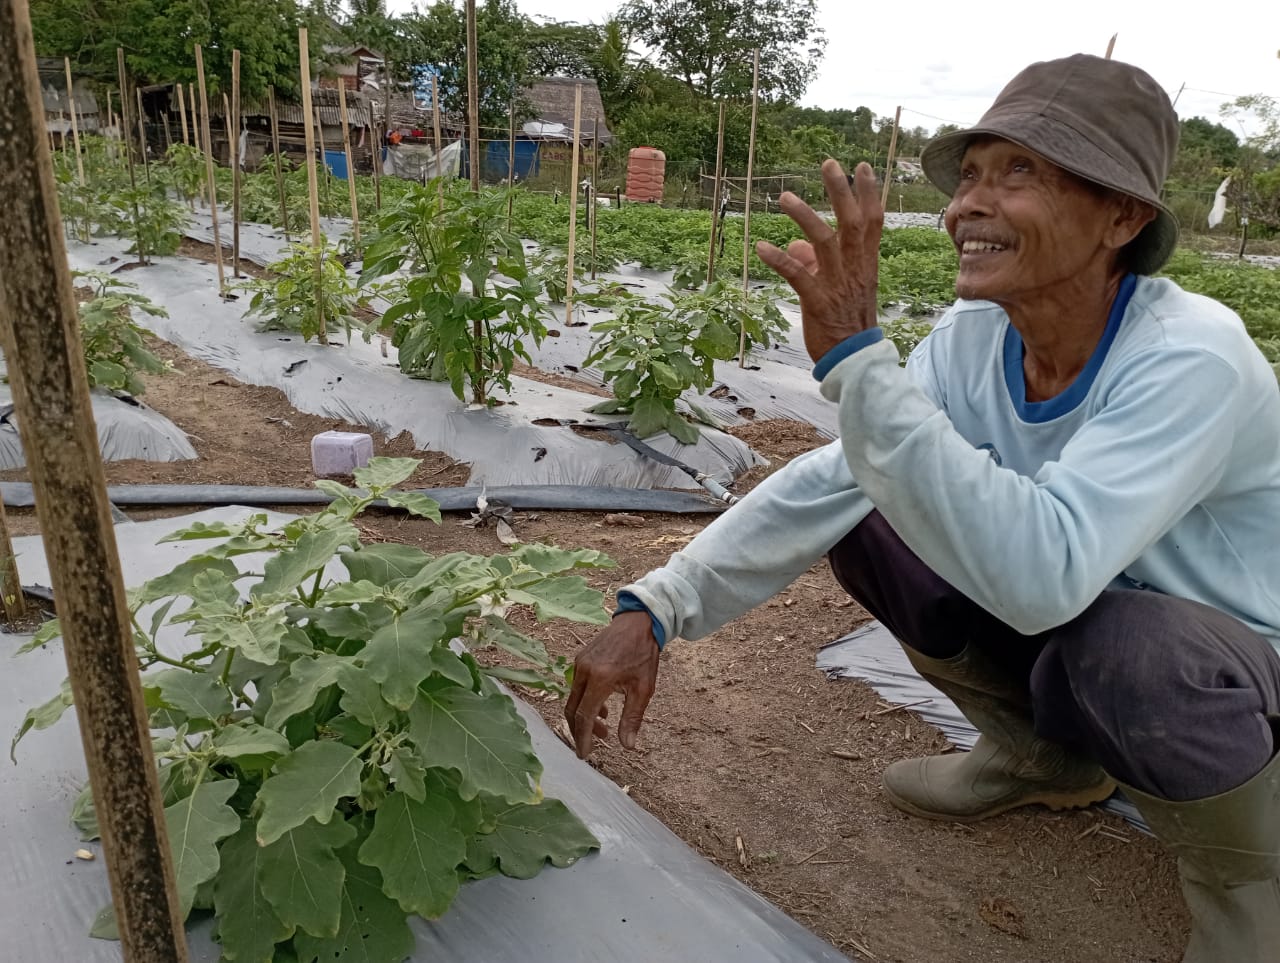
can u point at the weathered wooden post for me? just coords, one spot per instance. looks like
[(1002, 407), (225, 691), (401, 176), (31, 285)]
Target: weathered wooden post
[(746, 208), (182, 111), (351, 171), (313, 192), (473, 97), (128, 151), (39, 323), (715, 196), (592, 213), (275, 151), (208, 169), (235, 162), (893, 151), (573, 203), (435, 133)]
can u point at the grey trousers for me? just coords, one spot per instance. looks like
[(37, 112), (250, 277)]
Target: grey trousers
[(1168, 695)]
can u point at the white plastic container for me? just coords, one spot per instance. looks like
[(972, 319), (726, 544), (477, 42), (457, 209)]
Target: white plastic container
[(340, 452)]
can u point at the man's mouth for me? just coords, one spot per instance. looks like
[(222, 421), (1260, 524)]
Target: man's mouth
[(981, 247)]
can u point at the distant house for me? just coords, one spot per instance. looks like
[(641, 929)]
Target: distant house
[(57, 109), (356, 67)]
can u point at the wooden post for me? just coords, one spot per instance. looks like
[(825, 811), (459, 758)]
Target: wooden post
[(235, 162), (15, 606), (715, 197), (75, 124), (1111, 45), (142, 134), (182, 112), (592, 213), (351, 171), (375, 148), (275, 150), (313, 194), (40, 333), (435, 130), (746, 207), (324, 162), (208, 169), (888, 164), (473, 96), (573, 203), (511, 160), (128, 151)]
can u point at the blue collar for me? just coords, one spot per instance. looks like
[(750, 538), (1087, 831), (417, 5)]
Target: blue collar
[(1038, 412)]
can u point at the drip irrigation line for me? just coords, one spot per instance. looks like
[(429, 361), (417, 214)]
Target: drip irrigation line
[(712, 486)]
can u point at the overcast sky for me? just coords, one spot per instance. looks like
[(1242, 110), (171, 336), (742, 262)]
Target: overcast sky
[(947, 61)]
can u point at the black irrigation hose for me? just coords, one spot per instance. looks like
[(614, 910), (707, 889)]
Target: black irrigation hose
[(583, 498)]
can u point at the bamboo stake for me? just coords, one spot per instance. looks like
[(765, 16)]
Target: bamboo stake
[(473, 96), (715, 197), (226, 124), (746, 208), (435, 129), (208, 170), (324, 162), (1111, 45), (15, 606), (375, 149), (196, 139), (40, 333), (351, 171), (168, 134), (592, 213), (142, 135), (573, 203), (128, 151), (275, 150), (75, 125), (888, 164), (182, 112), (235, 162), (313, 194), (511, 161)]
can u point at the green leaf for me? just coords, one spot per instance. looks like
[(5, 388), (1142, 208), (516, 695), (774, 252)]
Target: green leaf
[(480, 737), (214, 529), (565, 597), (104, 924), (286, 570), (302, 877), (373, 928), (407, 772), (84, 815), (611, 407), (526, 838), (399, 655), (415, 503), (297, 692), (550, 560), (180, 580), (680, 429), (195, 825), (251, 746), (381, 564), (494, 631), (417, 848), (248, 928), (256, 634), (349, 593), (307, 784), (383, 473), (648, 417), (43, 716), (362, 697), (197, 695), (44, 635)]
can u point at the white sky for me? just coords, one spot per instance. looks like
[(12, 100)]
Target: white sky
[(947, 61)]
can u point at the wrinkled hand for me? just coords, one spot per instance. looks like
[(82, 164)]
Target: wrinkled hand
[(835, 271), (623, 657)]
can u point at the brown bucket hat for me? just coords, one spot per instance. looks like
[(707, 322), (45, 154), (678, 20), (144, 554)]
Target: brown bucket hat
[(1103, 120)]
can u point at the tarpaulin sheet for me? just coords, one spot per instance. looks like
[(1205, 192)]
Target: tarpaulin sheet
[(644, 897), (524, 441), (871, 654), (126, 429)]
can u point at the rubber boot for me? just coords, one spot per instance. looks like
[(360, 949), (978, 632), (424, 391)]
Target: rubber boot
[(1228, 849), (1009, 767)]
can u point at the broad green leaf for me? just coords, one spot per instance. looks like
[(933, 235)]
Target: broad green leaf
[(285, 571), (257, 634), (302, 877), (84, 815), (44, 635), (399, 656), (565, 597), (43, 716), (530, 678), (373, 928), (298, 691), (198, 530), (381, 564), (362, 697), (336, 489), (494, 631), (195, 825), (104, 924), (180, 580), (351, 593), (342, 622), (481, 738), (648, 417), (550, 560), (349, 730), (415, 503), (248, 928), (526, 838), (680, 429), (384, 473), (417, 848), (253, 747), (195, 694), (307, 784), (407, 773)]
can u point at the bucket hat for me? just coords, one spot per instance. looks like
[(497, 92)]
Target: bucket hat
[(1105, 121)]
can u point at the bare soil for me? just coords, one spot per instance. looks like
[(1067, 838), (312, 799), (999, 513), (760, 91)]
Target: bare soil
[(748, 752)]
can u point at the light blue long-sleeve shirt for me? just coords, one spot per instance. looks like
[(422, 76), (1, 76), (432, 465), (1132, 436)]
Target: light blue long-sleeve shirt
[(1158, 468)]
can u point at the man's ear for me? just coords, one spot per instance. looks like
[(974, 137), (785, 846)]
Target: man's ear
[(1130, 216)]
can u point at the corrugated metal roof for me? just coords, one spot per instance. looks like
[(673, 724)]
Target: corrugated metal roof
[(53, 90), (323, 99)]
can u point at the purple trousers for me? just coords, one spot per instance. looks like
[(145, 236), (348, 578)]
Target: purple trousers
[(1175, 698)]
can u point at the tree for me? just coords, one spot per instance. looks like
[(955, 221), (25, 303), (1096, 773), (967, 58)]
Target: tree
[(1254, 190), (708, 44)]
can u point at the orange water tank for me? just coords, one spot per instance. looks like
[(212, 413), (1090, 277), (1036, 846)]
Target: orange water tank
[(646, 167)]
